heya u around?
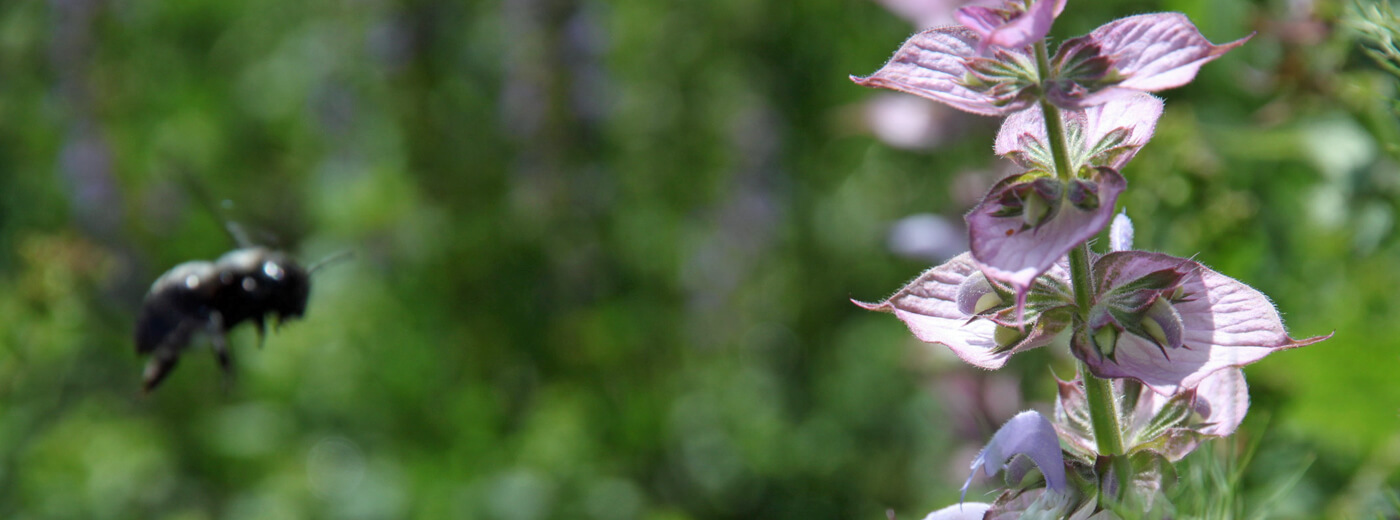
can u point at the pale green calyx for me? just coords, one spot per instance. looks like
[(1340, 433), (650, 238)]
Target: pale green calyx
[(987, 302), (1007, 336), (1106, 340), (1154, 330), (1035, 209)]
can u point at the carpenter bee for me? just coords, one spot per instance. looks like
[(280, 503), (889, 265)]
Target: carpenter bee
[(245, 284)]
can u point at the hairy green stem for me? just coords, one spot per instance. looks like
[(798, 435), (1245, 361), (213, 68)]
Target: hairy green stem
[(1103, 410)]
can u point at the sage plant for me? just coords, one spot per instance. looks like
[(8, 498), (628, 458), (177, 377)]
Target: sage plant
[(1159, 339)]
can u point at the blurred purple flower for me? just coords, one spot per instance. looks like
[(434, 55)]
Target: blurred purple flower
[(926, 236), (910, 123), (926, 13)]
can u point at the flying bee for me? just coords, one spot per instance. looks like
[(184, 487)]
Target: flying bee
[(247, 284)]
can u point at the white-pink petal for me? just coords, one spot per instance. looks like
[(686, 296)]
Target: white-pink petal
[(929, 307), (1222, 399), (1157, 51), (1021, 130), (1227, 324), (1137, 112), (932, 64)]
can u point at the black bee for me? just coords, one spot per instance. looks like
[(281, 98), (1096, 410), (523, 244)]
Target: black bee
[(245, 284)]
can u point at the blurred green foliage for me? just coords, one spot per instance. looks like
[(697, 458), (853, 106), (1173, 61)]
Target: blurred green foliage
[(604, 256)]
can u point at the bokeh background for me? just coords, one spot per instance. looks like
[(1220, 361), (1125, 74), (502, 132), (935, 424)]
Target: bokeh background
[(604, 252)]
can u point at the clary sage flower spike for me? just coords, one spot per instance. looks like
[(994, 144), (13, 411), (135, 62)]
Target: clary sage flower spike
[(1160, 340)]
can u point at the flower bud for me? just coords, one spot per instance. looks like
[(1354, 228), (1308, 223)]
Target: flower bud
[(1007, 336), (1120, 233), (1162, 324), (1178, 294), (976, 295), (1154, 330), (987, 302), (1035, 210), (1106, 340)]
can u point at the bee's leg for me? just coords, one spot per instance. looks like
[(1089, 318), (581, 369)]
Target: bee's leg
[(166, 354), (157, 368), (239, 234), (218, 336), (262, 330)]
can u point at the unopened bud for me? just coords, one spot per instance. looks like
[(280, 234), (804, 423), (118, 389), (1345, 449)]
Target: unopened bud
[(1035, 209), (1154, 325), (987, 302), (1120, 234), (1007, 336), (1154, 330), (1106, 340)]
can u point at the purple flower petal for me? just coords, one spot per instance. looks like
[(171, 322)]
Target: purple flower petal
[(1108, 134), (1226, 324), (1029, 434), (932, 64), (1157, 51), (929, 307), (1025, 28), (1016, 256)]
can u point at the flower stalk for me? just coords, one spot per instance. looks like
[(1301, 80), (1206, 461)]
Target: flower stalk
[(1102, 409)]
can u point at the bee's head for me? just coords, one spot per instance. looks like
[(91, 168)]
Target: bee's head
[(291, 283)]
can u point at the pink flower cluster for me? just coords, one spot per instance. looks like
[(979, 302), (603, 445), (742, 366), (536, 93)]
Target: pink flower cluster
[(1169, 324)]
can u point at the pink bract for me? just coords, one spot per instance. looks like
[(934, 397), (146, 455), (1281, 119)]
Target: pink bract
[(1157, 51), (929, 307), (1226, 324), (1016, 256), (933, 64), (1109, 134)]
